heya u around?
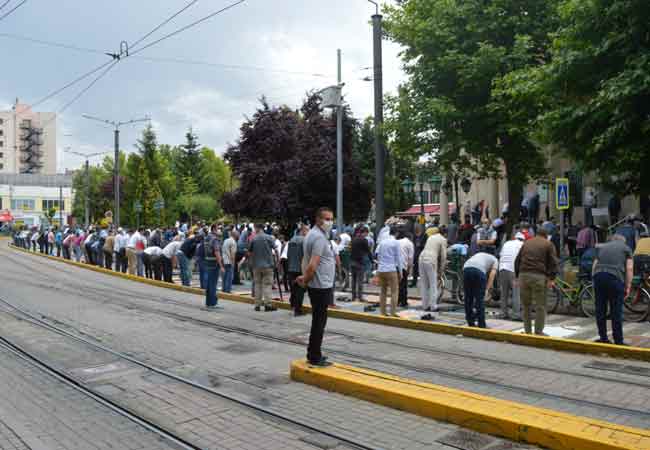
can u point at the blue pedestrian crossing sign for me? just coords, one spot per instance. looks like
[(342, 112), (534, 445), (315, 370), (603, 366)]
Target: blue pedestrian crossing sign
[(562, 193)]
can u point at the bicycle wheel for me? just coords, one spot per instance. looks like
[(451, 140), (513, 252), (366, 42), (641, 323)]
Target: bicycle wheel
[(587, 301), (442, 285), (553, 298), (637, 305)]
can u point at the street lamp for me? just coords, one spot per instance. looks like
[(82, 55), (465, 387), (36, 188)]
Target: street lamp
[(87, 156), (408, 185), (447, 187)]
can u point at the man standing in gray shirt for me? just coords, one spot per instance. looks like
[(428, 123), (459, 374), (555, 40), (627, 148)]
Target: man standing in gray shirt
[(260, 254), (613, 270), (319, 279)]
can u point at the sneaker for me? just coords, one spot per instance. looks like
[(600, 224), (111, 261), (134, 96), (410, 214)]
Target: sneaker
[(257, 308), (269, 308), (323, 362)]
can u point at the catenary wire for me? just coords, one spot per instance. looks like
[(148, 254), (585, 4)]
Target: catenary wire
[(186, 27), (8, 13), (5, 4), (165, 22)]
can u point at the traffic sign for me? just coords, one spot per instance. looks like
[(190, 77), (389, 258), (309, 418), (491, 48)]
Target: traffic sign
[(562, 193), (159, 204), (137, 206)]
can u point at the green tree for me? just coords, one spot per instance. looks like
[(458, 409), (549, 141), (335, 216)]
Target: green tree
[(213, 175), (190, 155), (455, 53), (596, 90)]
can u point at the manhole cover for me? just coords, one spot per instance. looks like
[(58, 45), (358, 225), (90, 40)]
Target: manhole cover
[(466, 440)]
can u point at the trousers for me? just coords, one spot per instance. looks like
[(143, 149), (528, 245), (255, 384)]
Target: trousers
[(132, 260), (533, 292), (506, 285), (297, 292), (388, 280), (263, 286), (428, 285), (610, 292), (320, 300), (358, 274), (474, 282)]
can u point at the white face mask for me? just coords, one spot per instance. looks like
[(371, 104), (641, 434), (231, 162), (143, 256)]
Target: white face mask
[(327, 226)]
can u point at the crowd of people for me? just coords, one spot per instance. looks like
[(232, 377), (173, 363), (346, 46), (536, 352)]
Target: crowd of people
[(521, 266)]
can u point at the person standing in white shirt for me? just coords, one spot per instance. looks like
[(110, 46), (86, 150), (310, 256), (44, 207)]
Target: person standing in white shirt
[(407, 250), (130, 252), (389, 271), (507, 284), (433, 260)]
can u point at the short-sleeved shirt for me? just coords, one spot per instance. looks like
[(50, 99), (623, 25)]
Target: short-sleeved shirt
[(483, 262), (211, 247), (317, 244), (229, 248), (612, 258), (262, 248), (295, 254)]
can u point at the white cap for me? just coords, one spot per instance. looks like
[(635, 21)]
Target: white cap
[(520, 236)]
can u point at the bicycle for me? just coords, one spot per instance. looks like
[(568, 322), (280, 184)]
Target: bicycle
[(451, 279), (580, 296), (637, 303)]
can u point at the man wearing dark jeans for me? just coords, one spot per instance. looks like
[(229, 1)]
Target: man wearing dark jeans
[(359, 254), (478, 275), (319, 277), (613, 270)]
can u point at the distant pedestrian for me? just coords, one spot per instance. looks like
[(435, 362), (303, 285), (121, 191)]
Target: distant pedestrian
[(261, 252), (213, 264), (508, 288), (360, 253), (419, 241), (614, 209), (389, 271), (109, 246), (628, 231), (121, 242), (319, 278), (168, 258), (433, 261), (613, 271), (479, 273), (229, 254), (407, 251), (536, 267), (295, 254), (585, 240), (153, 262), (184, 256)]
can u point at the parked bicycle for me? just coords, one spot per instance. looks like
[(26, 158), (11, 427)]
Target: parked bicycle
[(637, 304), (579, 296)]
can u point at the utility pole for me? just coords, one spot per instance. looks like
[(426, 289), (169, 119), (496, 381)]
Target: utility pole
[(116, 161), (61, 207), (87, 189), (379, 119), (339, 152)]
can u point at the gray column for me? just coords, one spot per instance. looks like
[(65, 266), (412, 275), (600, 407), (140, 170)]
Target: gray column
[(444, 205)]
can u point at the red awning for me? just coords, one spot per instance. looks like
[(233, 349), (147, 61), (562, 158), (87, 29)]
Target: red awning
[(5, 216), (430, 209)]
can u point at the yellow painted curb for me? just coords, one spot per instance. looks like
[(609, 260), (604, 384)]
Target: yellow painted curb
[(511, 420), (560, 344)]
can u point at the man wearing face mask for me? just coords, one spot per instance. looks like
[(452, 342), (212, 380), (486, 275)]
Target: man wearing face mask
[(319, 279)]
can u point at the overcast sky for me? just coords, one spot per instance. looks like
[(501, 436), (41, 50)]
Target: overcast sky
[(269, 37)]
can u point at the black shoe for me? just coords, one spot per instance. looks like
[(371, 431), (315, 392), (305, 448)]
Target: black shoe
[(603, 341), (428, 317), (270, 308), (323, 362), (298, 313), (257, 308)]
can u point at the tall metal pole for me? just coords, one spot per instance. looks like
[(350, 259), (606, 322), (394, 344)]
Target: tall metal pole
[(339, 153), (87, 195), (61, 207), (379, 120), (116, 179)]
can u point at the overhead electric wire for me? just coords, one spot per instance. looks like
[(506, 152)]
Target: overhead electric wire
[(186, 27), (5, 4), (87, 88), (177, 13), (51, 43), (12, 9)]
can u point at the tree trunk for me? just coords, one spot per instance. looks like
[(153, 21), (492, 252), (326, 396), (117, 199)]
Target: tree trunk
[(515, 188)]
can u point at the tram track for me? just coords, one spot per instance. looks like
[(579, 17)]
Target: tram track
[(95, 291), (21, 314)]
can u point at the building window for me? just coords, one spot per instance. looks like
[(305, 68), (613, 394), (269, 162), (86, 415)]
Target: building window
[(2, 144), (2, 166), (422, 197), (49, 204), (2, 155), (2, 121), (24, 204), (2, 132)]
